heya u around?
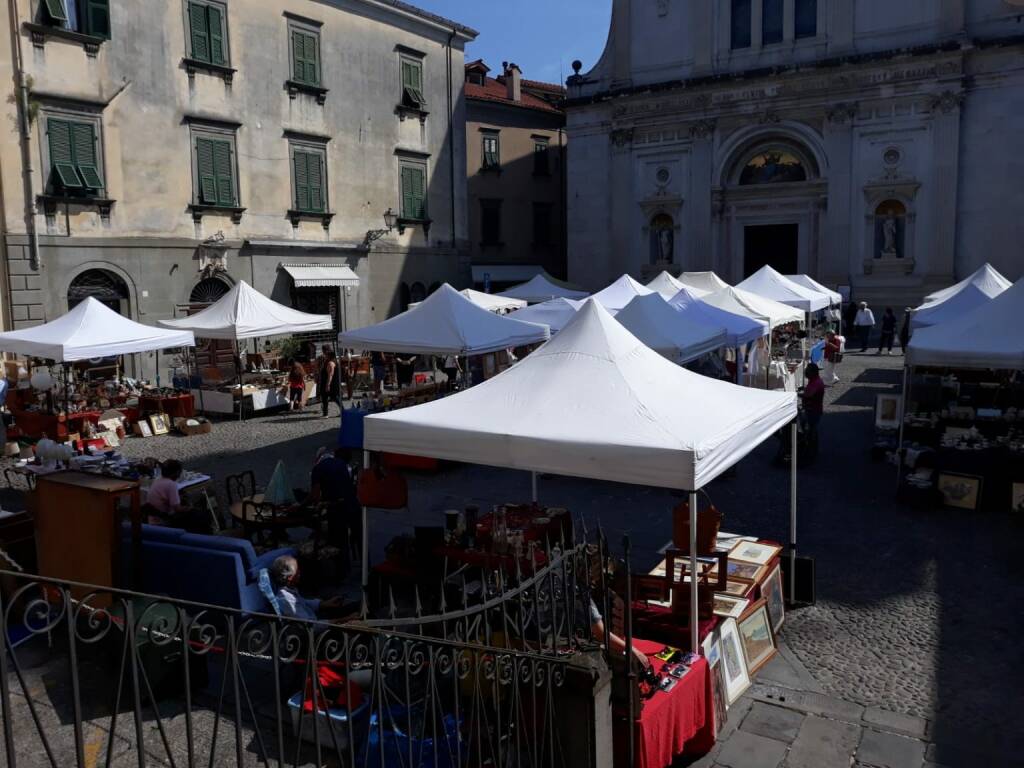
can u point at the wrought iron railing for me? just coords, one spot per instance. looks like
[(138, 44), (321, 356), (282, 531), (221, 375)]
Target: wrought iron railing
[(94, 675)]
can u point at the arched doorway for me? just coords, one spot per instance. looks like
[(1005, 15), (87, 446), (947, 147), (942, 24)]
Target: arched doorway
[(102, 285), (208, 291), (771, 203)]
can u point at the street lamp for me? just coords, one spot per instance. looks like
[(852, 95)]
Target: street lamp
[(390, 221)]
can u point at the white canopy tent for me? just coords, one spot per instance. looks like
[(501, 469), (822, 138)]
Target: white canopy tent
[(668, 286), (88, 331), (555, 314), (551, 411), (739, 329), (245, 313), (770, 284), (809, 282), (742, 302), (669, 333), (620, 293), (704, 281), (491, 302), (989, 336), (445, 323), (542, 288), (980, 288), (986, 275)]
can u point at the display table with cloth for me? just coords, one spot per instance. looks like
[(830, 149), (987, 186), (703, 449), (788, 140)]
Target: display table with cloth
[(677, 721), (661, 623)]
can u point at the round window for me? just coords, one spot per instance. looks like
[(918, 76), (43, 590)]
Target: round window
[(892, 156), (663, 176)]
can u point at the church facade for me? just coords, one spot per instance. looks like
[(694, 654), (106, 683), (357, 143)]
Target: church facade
[(869, 144)]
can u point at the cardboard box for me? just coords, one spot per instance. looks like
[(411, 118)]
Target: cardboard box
[(202, 428)]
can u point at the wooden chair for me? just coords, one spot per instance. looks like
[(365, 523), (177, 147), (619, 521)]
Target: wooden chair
[(240, 487)]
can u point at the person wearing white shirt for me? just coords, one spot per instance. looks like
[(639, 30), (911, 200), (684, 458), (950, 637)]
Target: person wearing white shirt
[(284, 574), (864, 322)]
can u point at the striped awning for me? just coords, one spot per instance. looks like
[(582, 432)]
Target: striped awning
[(321, 275)]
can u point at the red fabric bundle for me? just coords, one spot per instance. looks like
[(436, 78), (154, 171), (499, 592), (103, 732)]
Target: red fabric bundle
[(338, 692)]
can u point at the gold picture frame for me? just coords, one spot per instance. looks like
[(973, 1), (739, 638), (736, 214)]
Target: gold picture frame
[(960, 491), (756, 637), (159, 423)]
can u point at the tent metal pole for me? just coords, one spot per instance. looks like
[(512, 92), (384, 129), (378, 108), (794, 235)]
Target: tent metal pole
[(158, 369), (694, 617), (739, 365), (366, 534), (241, 385), (792, 511), (533, 483), (903, 421)]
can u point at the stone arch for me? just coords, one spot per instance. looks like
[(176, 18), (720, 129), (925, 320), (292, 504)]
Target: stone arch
[(208, 289), (131, 311), (797, 138)]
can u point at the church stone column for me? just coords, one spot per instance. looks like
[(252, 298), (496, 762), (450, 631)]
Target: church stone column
[(839, 261), (621, 256), (701, 37), (699, 256), (840, 26), (945, 171)]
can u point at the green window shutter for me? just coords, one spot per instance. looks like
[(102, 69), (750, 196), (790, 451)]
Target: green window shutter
[(305, 58), (199, 31), (55, 10), (62, 158), (413, 188), (300, 164), (407, 198), (215, 21), (206, 172), (313, 59), (97, 18), (315, 174), (224, 171), (298, 57), (83, 142)]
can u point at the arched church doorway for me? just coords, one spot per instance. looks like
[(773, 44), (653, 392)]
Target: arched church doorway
[(102, 285)]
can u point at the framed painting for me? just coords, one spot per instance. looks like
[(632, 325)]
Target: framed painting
[(960, 491), (720, 697), (774, 597), (728, 606), (142, 428), (887, 411), (712, 648), (739, 570), (159, 423), (754, 552), (756, 637), (737, 678), (738, 587)]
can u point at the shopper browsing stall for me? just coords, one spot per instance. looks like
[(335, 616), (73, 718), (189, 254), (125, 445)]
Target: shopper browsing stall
[(833, 356), (888, 331), (296, 386), (863, 323), (813, 398)]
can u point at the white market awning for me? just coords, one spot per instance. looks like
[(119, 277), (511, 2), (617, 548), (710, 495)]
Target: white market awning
[(88, 331), (593, 402), (668, 332), (321, 275), (491, 302), (768, 283)]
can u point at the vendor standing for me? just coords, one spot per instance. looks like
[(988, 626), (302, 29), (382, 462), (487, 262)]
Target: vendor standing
[(813, 398), (405, 366), (329, 381), (864, 322)]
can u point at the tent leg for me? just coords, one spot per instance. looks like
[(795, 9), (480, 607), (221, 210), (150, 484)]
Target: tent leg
[(241, 387), (158, 369), (366, 535), (739, 366), (533, 483), (899, 442), (694, 617), (792, 511)]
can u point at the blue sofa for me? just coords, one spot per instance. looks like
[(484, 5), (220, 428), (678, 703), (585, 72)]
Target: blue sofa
[(217, 570)]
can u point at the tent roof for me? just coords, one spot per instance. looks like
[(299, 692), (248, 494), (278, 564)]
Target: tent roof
[(620, 293), (742, 302), (705, 281), (770, 284), (986, 337), (808, 282), (491, 302), (245, 313), (986, 275), (555, 314), (669, 333), (980, 288), (739, 329), (88, 331), (445, 323), (668, 286), (593, 402), (543, 287)]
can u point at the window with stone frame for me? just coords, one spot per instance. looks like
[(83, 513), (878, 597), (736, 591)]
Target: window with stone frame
[(805, 21), (772, 21), (411, 68), (740, 18), (541, 157), (206, 35), (413, 189), (309, 176), (73, 154), (214, 167), (490, 151), (304, 47), (89, 17)]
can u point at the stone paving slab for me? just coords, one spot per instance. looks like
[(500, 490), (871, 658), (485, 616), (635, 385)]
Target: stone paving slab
[(823, 743), (773, 722), (808, 701), (887, 750), (745, 750), (896, 722)]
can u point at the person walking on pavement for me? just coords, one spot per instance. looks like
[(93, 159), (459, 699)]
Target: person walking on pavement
[(863, 323), (329, 381), (833, 356), (905, 330), (888, 331)]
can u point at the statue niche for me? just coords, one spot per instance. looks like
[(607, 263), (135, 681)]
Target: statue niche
[(663, 239), (890, 230)]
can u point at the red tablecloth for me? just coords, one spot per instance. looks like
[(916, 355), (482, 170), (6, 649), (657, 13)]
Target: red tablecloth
[(681, 720)]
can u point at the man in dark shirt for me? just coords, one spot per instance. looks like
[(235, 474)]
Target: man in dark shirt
[(331, 482), (813, 398)]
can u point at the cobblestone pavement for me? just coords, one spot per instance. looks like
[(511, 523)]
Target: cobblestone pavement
[(918, 613)]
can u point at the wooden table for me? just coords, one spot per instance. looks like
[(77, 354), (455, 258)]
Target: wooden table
[(78, 529)]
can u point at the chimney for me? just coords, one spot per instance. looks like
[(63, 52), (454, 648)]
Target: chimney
[(514, 82)]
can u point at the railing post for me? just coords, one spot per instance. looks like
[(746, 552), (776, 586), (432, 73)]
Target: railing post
[(5, 693), (632, 684)]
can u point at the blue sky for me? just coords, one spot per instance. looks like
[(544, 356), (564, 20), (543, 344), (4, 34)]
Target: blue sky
[(541, 36)]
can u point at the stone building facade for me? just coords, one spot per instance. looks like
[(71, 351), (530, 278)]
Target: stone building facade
[(173, 148), (515, 147), (867, 143)]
